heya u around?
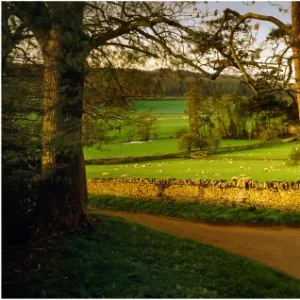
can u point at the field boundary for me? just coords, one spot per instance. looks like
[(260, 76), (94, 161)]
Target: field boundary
[(281, 195)]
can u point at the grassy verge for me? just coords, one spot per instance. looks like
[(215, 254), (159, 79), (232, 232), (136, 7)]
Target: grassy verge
[(198, 212), (124, 260)]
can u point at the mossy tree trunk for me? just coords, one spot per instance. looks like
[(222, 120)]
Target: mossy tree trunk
[(63, 190)]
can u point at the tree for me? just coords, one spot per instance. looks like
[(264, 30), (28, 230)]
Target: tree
[(188, 141), (146, 126), (235, 43), (67, 34)]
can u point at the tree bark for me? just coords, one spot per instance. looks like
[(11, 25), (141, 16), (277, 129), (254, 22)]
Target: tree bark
[(63, 189), (296, 47)]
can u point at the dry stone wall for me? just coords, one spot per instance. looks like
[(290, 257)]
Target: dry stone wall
[(242, 192)]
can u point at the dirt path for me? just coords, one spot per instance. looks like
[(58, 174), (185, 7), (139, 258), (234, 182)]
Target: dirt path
[(278, 248)]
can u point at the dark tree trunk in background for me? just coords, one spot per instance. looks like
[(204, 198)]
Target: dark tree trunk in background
[(63, 191)]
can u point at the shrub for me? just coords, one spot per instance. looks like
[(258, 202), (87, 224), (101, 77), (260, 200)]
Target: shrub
[(269, 135), (214, 142), (294, 156), (180, 132), (188, 141)]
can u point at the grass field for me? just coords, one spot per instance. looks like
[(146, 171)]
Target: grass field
[(125, 260), (278, 151), (148, 148), (172, 108), (205, 169)]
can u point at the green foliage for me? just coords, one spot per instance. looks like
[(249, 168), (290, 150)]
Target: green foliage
[(180, 132), (269, 135), (294, 156), (21, 149), (125, 260), (188, 141), (198, 212), (146, 126)]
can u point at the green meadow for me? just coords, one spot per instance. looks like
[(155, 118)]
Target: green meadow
[(261, 164), (153, 147), (210, 168)]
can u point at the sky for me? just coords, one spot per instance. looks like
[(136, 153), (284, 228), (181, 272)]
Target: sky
[(270, 8)]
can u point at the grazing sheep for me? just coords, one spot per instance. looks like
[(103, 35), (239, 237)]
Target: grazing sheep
[(123, 175), (104, 174), (160, 171), (116, 169)]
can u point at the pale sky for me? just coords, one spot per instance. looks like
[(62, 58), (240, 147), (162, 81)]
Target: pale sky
[(269, 8)]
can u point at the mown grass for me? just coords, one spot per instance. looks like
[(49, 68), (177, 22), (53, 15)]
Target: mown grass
[(198, 212), (125, 260)]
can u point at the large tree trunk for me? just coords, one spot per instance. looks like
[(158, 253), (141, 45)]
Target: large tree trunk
[(63, 191), (296, 47)]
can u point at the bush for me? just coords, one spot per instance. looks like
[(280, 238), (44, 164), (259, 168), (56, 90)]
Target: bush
[(188, 141), (180, 132), (294, 156), (214, 142), (269, 135)]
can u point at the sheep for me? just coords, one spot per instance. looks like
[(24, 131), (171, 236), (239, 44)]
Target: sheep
[(123, 175), (104, 174)]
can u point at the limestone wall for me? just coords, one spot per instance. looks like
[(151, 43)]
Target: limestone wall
[(275, 194)]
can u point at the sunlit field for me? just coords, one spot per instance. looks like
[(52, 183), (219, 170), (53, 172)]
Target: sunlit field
[(153, 147), (211, 168)]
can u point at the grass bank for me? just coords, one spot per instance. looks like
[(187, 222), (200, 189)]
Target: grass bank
[(124, 260), (199, 212), (153, 147)]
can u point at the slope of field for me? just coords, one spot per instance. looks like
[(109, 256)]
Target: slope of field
[(153, 147)]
